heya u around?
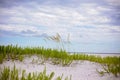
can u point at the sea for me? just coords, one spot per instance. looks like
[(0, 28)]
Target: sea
[(97, 54)]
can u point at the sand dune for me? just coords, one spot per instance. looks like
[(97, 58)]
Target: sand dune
[(79, 70)]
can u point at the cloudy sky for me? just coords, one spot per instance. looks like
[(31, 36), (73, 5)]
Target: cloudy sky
[(93, 25)]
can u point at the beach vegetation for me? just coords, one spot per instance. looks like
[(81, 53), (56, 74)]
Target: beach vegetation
[(15, 74), (58, 57)]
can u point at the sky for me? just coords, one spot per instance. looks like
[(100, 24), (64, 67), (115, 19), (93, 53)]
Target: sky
[(92, 25)]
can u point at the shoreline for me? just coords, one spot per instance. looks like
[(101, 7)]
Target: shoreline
[(106, 54), (100, 54)]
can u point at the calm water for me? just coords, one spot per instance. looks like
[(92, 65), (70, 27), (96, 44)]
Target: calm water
[(99, 54)]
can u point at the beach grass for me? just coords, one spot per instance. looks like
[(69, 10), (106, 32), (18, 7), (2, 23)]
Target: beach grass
[(11, 52), (15, 74)]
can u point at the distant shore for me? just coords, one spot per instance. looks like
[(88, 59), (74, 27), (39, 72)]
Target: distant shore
[(92, 53), (97, 54)]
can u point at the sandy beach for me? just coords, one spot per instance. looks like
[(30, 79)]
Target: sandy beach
[(79, 70)]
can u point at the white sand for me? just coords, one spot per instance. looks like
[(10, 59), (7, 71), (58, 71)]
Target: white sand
[(80, 70)]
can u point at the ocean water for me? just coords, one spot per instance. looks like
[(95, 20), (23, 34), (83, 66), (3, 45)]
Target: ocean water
[(105, 54), (98, 54)]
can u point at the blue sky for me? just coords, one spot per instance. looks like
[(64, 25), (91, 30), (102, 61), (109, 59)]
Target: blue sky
[(93, 25)]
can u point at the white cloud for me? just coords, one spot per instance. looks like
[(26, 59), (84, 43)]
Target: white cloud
[(18, 19), (61, 20), (114, 2), (55, 16), (17, 28)]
